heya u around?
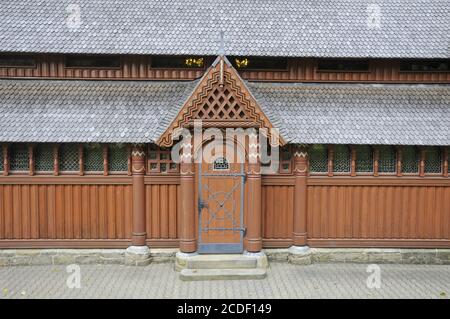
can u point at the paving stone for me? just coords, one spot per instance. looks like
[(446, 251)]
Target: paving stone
[(341, 280)]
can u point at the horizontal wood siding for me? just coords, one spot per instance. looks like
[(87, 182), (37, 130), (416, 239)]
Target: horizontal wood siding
[(277, 213), (369, 213), (65, 212), (161, 211)]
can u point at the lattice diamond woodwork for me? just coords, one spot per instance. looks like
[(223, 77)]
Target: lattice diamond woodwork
[(93, 158), (433, 160), (318, 159), (410, 159), (43, 158), (1, 158), (387, 159), (117, 158), (19, 157), (68, 158), (364, 158), (221, 105), (341, 162)]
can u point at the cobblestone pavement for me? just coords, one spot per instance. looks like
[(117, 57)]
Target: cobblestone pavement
[(283, 281)]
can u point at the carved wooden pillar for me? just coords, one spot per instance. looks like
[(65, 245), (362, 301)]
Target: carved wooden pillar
[(5, 160), (254, 218), (399, 161), (31, 160), (445, 170), (300, 195), (188, 242), (138, 172), (353, 160), (422, 162)]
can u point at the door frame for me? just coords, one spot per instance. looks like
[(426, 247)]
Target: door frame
[(222, 248)]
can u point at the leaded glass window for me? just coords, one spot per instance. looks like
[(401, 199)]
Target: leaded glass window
[(93, 158), (410, 160), (68, 158), (433, 160), (18, 157), (364, 159), (387, 159), (117, 158), (341, 159), (43, 158), (318, 158)]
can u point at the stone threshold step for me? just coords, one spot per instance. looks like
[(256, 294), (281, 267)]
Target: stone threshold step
[(222, 274), (221, 262)]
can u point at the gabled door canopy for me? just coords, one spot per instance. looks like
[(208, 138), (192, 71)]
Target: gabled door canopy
[(221, 99)]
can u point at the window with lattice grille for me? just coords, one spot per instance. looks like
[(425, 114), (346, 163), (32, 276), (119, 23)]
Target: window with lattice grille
[(160, 161), (410, 160), (433, 160), (43, 158), (93, 158), (118, 158), (1, 158), (387, 159), (318, 159), (285, 159), (341, 159), (364, 159), (68, 158), (18, 158)]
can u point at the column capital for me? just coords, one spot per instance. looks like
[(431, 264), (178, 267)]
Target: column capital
[(138, 159), (300, 159)]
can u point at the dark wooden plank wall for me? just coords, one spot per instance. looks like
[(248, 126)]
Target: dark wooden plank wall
[(299, 70)]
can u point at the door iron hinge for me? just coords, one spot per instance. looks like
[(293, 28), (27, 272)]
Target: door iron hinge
[(202, 204)]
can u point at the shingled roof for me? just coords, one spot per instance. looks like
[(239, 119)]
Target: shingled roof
[(88, 111), (139, 112), (358, 113), (313, 28)]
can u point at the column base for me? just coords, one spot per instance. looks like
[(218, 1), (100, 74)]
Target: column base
[(181, 259), (137, 256), (299, 255), (261, 258)]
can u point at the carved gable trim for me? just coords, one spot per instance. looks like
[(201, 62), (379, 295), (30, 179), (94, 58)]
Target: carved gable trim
[(221, 99)]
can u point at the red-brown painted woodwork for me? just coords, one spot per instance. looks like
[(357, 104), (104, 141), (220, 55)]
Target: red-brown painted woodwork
[(188, 242), (229, 105), (254, 209), (138, 172), (300, 195)]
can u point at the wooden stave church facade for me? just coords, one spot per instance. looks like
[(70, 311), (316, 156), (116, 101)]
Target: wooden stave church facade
[(159, 208)]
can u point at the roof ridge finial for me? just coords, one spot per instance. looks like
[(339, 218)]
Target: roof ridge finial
[(221, 43)]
